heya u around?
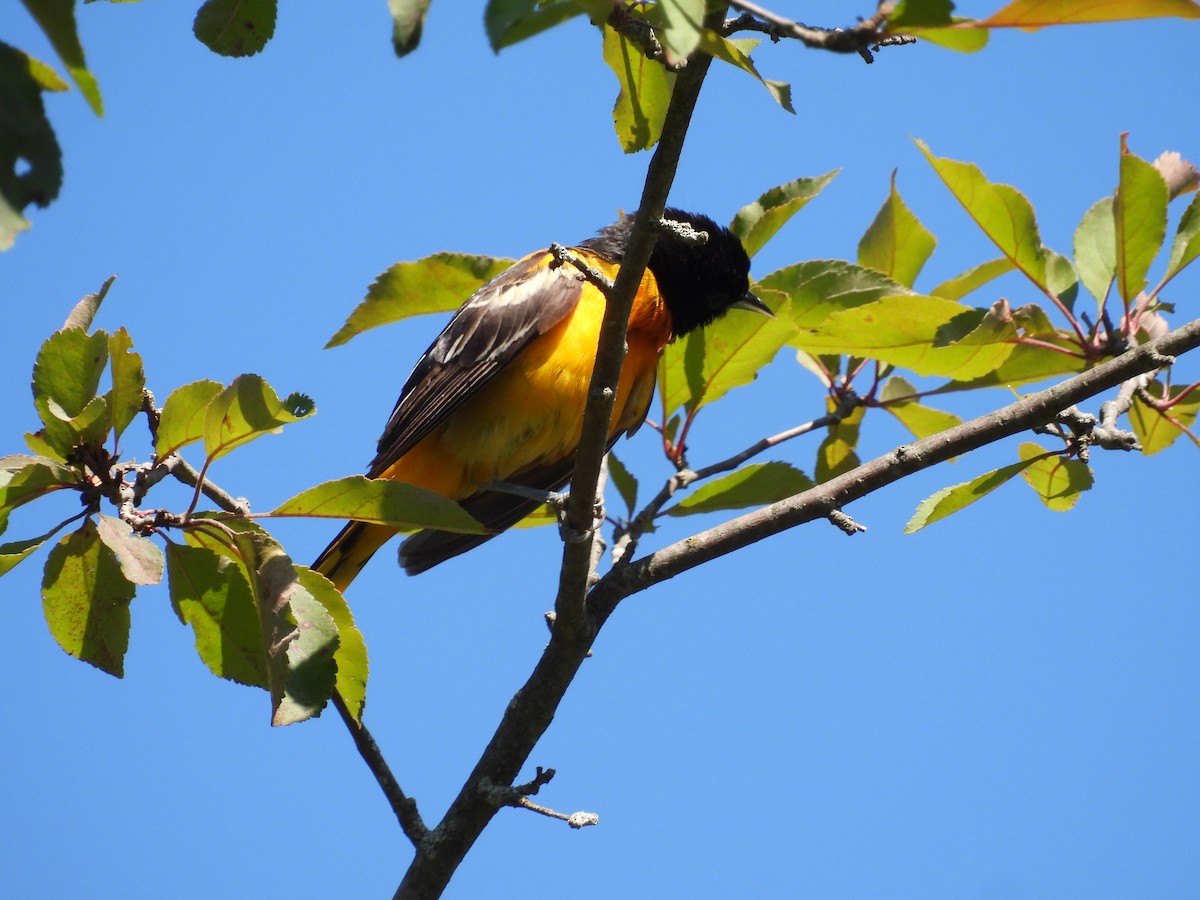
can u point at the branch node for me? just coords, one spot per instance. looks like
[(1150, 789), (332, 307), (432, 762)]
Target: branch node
[(845, 523)]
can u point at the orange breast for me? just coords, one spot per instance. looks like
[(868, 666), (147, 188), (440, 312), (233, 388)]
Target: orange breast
[(531, 413)]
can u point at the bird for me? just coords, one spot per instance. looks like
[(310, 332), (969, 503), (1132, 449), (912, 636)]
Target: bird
[(499, 395)]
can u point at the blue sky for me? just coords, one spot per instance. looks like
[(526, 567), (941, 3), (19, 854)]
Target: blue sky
[(1002, 706)]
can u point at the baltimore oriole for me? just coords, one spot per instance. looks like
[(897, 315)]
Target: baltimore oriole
[(499, 395)]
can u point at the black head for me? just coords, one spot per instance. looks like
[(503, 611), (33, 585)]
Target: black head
[(700, 280)]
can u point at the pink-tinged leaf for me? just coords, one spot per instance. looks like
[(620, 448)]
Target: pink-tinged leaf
[(1033, 14)]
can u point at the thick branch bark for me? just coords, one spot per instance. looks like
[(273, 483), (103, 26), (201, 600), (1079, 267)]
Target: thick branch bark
[(820, 501)]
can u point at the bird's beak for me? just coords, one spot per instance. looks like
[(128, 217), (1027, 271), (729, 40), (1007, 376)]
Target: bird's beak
[(752, 303)]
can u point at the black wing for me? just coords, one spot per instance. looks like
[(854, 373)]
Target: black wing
[(495, 324)]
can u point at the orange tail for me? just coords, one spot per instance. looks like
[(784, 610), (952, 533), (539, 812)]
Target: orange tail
[(347, 553)]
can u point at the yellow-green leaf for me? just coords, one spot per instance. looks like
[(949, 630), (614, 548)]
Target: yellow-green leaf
[(1096, 248), (706, 364), (645, 92), (904, 330), (508, 22), (753, 485), (837, 455), (950, 500), (24, 478), (351, 653), (68, 369), (1140, 221), (1186, 246), (246, 410), (212, 595), (437, 283), (183, 414), (896, 243), (1057, 480), (973, 279), (899, 397), (128, 380), (1000, 210), (86, 600), (737, 53), (379, 501), (56, 18), (757, 222), (1156, 429)]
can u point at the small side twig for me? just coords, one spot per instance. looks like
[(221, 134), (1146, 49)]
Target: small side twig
[(845, 523), (518, 796), (587, 271)]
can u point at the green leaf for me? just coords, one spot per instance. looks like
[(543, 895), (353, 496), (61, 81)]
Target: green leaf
[(950, 500), (351, 654), (408, 21), (56, 18), (36, 441), (1186, 246), (1061, 278), (183, 415), (25, 134), (14, 552), (678, 25), (1140, 217), (437, 283), (141, 560), (973, 279), (1058, 481), (65, 433), (212, 595), (68, 369), (84, 312), (1033, 14), (86, 600), (624, 481), (645, 92), (737, 53), (905, 330), (1000, 210), (246, 410), (896, 243), (837, 455), (313, 644), (508, 22), (297, 635), (235, 27), (1025, 365), (1157, 430), (952, 37), (753, 485), (24, 478), (920, 13), (379, 501), (808, 293), (128, 380), (1096, 248), (758, 222), (709, 362), (921, 420)]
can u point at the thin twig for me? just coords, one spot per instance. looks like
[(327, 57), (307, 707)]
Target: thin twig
[(402, 805)]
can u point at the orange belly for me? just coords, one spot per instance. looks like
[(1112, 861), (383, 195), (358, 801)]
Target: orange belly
[(531, 413)]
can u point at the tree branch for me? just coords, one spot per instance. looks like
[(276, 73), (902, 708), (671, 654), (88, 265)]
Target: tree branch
[(820, 501), (610, 355)]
